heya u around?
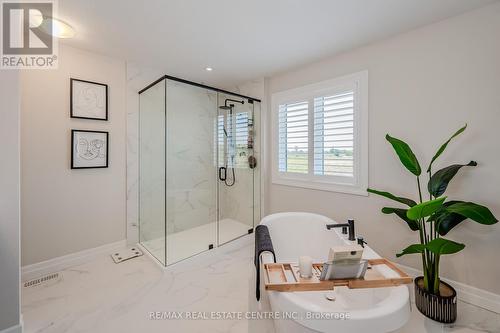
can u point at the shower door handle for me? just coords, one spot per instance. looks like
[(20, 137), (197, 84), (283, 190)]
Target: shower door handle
[(221, 177)]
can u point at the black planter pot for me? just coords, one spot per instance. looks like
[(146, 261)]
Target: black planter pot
[(442, 309)]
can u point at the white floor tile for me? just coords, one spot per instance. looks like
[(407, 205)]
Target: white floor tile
[(101, 296)]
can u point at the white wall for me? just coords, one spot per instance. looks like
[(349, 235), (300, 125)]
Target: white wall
[(64, 210), (9, 201), (423, 86)]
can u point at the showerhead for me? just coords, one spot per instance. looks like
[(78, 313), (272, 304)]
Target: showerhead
[(230, 106)]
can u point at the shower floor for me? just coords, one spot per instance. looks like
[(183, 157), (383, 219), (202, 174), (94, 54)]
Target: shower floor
[(184, 244)]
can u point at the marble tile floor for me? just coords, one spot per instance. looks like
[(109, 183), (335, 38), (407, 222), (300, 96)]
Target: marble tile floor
[(101, 296), (186, 243)]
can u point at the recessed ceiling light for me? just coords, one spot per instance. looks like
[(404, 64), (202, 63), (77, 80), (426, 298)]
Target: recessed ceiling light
[(209, 69)]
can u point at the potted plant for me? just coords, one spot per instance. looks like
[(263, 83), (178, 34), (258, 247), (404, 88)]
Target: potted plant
[(433, 219)]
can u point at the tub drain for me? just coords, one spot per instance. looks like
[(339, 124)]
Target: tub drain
[(330, 296)]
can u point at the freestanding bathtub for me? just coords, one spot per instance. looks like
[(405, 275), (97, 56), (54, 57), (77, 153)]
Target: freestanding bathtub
[(353, 310)]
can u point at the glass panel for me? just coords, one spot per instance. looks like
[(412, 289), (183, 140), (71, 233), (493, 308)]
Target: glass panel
[(191, 170), (236, 144), (185, 208), (152, 170), (257, 149)]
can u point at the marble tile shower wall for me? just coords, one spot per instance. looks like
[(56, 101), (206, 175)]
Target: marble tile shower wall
[(137, 78), (236, 202), (241, 202), (191, 171), (152, 163)]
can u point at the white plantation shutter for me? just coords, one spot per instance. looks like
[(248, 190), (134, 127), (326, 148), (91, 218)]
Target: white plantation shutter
[(321, 135), (334, 135), (293, 137)]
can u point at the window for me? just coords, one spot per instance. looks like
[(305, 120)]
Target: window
[(236, 142), (321, 135)]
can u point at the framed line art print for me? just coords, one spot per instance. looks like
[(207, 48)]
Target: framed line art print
[(88, 100), (89, 149)]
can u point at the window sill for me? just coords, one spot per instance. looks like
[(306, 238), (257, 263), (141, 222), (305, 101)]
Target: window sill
[(322, 186)]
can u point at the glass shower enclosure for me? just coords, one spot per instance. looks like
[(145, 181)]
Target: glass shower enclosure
[(199, 168)]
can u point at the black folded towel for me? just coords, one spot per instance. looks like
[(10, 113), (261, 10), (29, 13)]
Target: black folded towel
[(262, 243)]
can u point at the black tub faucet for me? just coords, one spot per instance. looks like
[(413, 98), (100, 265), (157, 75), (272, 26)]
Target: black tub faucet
[(349, 225)]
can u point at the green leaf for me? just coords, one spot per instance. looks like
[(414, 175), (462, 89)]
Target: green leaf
[(388, 195), (441, 246), (443, 147), (437, 246), (405, 155), (445, 220), (440, 180), (402, 214), (424, 209), (414, 248), (475, 212), (448, 221)]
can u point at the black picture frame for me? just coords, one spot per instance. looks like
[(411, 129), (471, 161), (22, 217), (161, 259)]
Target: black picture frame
[(72, 115), (73, 132)]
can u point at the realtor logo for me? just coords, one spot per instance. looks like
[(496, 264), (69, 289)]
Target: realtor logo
[(27, 41)]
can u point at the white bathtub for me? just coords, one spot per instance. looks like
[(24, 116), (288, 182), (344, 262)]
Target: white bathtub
[(368, 310)]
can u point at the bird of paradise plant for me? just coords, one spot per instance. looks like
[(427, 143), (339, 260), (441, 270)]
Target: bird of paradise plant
[(435, 217)]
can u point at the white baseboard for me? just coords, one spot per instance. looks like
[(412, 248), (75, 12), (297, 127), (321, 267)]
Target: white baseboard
[(57, 264), (14, 329), (472, 295)]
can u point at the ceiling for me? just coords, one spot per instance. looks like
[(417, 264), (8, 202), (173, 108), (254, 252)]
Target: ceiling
[(242, 39)]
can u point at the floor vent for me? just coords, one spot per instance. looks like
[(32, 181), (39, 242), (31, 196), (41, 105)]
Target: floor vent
[(127, 254), (41, 280)]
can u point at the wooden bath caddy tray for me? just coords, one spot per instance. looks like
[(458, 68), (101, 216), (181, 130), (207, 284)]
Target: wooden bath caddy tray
[(285, 277)]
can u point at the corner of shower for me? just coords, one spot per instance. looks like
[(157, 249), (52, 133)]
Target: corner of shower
[(199, 168)]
